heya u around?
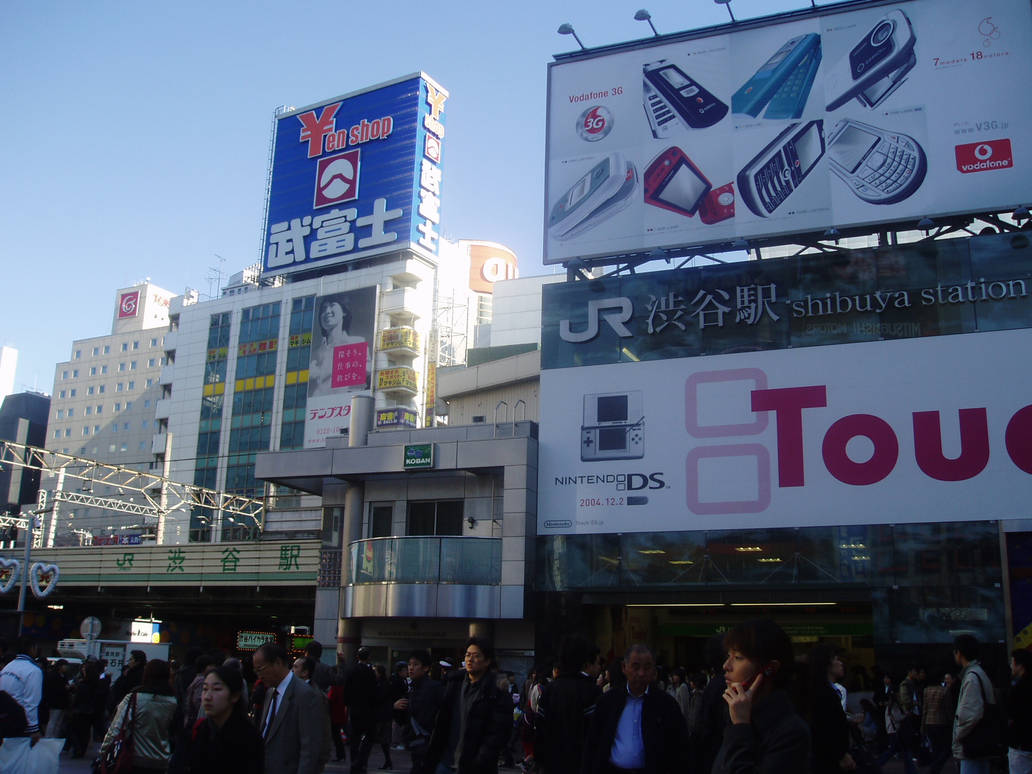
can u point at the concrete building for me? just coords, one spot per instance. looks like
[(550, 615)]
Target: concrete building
[(104, 399)]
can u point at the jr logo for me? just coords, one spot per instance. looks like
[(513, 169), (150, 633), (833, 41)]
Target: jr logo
[(615, 319)]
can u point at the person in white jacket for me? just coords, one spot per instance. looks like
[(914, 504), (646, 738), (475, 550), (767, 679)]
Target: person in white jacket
[(974, 683), (22, 679)]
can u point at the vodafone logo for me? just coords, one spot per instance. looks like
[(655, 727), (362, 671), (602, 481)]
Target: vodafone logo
[(128, 304), (594, 123), (984, 156), (336, 179)]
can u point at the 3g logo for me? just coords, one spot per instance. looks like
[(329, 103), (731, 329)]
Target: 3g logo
[(615, 320)]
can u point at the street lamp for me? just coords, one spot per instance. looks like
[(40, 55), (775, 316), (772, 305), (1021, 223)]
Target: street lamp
[(567, 29), (643, 15), (726, 4)]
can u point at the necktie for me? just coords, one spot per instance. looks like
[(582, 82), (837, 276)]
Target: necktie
[(272, 713)]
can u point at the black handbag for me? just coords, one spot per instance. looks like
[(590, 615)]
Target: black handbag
[(985, 740)]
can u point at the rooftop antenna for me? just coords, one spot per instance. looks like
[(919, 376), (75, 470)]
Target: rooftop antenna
[(215, 275)]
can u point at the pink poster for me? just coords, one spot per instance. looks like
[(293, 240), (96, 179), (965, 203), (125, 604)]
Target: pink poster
[(349, 365)]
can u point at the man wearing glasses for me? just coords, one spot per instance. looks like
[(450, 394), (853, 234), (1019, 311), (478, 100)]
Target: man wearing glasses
[(475, 719)]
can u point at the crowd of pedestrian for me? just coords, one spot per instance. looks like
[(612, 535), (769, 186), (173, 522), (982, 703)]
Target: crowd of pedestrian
[(756, 706)]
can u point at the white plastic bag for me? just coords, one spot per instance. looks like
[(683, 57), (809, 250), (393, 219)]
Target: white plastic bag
[(44, 756)]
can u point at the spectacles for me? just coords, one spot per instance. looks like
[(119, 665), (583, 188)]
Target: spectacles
[(474, 656)]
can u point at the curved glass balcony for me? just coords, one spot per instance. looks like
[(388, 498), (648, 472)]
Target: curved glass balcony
[(442, 560)]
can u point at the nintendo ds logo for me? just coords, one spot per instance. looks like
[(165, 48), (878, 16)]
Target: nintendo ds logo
[(558, 524)]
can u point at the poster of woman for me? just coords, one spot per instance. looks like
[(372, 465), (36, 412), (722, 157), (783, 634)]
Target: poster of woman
[(341, 362)]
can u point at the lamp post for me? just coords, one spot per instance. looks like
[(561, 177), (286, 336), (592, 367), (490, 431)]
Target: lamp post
[(643, 15), (567, 29)]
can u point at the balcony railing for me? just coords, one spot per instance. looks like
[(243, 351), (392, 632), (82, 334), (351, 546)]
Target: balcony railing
[(441, 560)]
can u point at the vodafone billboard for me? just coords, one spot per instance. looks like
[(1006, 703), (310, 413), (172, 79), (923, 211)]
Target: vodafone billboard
[(876, 113), (913, 430)]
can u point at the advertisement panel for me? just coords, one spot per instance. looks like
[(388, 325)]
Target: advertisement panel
[(912, 430), (879, 114), (489, 263), (341, 362), (356, 176)]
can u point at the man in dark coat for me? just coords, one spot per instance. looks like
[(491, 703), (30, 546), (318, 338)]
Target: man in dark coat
[(360, 694), (475, 718), (129, 679), (416, 712), (566, 708), (637, 729)]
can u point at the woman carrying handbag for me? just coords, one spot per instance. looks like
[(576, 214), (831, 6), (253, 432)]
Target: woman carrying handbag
[(137, 741)]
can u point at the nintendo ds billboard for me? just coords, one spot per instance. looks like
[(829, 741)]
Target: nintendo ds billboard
[(882, 113), (356, 176)]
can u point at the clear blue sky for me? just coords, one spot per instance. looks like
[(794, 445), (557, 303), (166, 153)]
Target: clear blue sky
[(135, 135)]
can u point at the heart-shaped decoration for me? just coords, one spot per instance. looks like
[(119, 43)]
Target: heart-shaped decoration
[(10, 571), (43, 578)]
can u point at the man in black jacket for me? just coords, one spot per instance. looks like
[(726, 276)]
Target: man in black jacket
[(566, 708), (130, 678), (475, 718), (638, 729), (417, 710), (1019, 712), (360, 694)]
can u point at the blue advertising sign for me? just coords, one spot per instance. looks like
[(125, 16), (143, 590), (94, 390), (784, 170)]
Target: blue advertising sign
[(356, 176)]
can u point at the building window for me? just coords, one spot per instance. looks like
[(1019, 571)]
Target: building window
[(132, 386), (100, 409), (442, 517), (125, 346), (128, 405), (125, 426), (143, 445), (121, 366), (150, 382), (124, 447), (61, 394), (119, 387), (118, 407), (143, 424), (64, 374), (96, 428), (68, 432), (154, 342), (89, 411), (151, 363), (75, 373), (86, 430), (90, 389), (101, 388), (60, 413), (96, 351), (132, 365), (136, 345), (71, 413), (93, 370), (103, 369), (78, 354), (114, 427), (381, 518), (107, 349), (146, 403), (72, 393), (57, 434)]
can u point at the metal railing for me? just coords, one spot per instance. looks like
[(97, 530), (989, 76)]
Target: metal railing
[(459, 560)]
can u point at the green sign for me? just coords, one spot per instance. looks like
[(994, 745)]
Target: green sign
[(252, 640), (419, 456)]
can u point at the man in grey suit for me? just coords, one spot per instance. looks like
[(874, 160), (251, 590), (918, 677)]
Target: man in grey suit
[(294, 721)]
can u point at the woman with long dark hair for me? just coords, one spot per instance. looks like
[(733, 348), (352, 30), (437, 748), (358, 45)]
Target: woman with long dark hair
[(224, 740), (766, 734), (148, 709)]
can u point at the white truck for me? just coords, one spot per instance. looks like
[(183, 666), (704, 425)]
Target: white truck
[(116, 652)]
